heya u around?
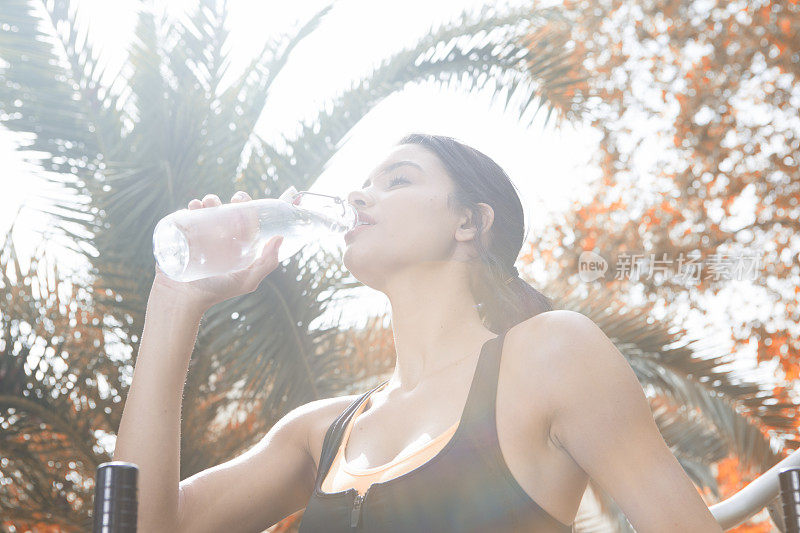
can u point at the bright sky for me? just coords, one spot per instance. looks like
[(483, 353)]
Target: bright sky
[(548, 166)]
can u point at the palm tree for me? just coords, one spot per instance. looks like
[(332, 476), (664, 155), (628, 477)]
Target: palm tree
[(166, 128)]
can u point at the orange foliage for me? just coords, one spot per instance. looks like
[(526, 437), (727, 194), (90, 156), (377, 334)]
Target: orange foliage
[(731, 479), (696, 176), (708, 73)]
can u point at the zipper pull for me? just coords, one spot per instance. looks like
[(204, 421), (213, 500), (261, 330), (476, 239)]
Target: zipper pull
[(355, 514)]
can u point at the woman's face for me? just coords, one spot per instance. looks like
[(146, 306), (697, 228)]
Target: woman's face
[(406, 195)]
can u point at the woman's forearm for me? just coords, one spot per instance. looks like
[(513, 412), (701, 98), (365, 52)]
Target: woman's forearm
[(149, 432)]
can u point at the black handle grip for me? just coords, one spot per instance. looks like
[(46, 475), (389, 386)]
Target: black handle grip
[(790, 496), (115, 498)]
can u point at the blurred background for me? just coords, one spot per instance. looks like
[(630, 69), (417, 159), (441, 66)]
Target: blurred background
[(659, 138)]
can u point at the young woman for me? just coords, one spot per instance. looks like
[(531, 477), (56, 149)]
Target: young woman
[(497, 413)]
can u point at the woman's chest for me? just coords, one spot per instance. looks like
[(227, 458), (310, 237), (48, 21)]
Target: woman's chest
[(511, 424)]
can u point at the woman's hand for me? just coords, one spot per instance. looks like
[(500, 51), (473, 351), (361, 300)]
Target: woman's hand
[(209, 291)]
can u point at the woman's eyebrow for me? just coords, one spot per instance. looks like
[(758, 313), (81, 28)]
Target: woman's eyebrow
[(393, 166)]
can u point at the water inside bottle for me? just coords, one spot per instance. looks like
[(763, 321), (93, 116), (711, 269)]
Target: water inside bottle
[(170, 247), (196, 244)]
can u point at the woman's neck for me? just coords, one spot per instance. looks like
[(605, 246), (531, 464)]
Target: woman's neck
[(435, 323)]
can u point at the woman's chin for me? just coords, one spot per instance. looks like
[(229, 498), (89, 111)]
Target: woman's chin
[(355, 265), (353, 261)]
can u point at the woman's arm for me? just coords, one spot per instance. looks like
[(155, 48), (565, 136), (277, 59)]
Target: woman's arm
[(603, 420), (250, 492), (149, 432), (268, 482)]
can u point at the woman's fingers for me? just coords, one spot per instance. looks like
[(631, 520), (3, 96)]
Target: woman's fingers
[(211, 200), (240, 196)]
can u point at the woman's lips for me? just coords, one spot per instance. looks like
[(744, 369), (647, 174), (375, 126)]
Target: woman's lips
[(350, 234)]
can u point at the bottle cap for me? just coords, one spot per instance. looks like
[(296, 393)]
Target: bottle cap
[(289, 195)]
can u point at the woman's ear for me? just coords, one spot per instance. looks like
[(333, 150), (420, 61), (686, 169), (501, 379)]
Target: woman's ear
[(468, 229)]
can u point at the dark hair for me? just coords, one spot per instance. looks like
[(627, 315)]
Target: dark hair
[(478, 179)]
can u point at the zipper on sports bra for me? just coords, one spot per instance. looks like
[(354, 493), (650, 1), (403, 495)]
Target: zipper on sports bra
[(355, 513)]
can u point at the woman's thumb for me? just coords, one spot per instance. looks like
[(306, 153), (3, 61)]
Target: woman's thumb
[(265, 264), (272, 247), (270, 250)]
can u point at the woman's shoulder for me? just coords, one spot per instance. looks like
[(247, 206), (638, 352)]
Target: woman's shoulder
[(321, 413), (555, 318), (547, 347), (557, 330), (554, 353), (318, 415)]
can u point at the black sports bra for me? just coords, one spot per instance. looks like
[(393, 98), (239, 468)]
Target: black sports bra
[(466, 487)]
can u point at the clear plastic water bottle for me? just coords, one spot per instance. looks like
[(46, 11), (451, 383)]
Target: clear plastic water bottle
[(199, 243)]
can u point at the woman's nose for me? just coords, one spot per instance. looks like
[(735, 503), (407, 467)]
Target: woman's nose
[(359, 198)]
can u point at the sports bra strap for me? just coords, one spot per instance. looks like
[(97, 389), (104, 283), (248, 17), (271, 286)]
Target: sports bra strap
[(334, 434)]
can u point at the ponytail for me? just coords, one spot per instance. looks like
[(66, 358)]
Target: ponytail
[(504, 304), (504, 298)]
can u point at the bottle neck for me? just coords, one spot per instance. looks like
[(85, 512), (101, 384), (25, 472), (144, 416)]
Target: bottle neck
[(350, 218), (340, 215)]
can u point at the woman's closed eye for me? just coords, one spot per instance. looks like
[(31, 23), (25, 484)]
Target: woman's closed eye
[(397, 179), (392, 182)]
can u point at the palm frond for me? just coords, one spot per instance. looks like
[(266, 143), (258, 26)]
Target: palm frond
[(202, 135), (51, 87), (56, 394), (477, 50)]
